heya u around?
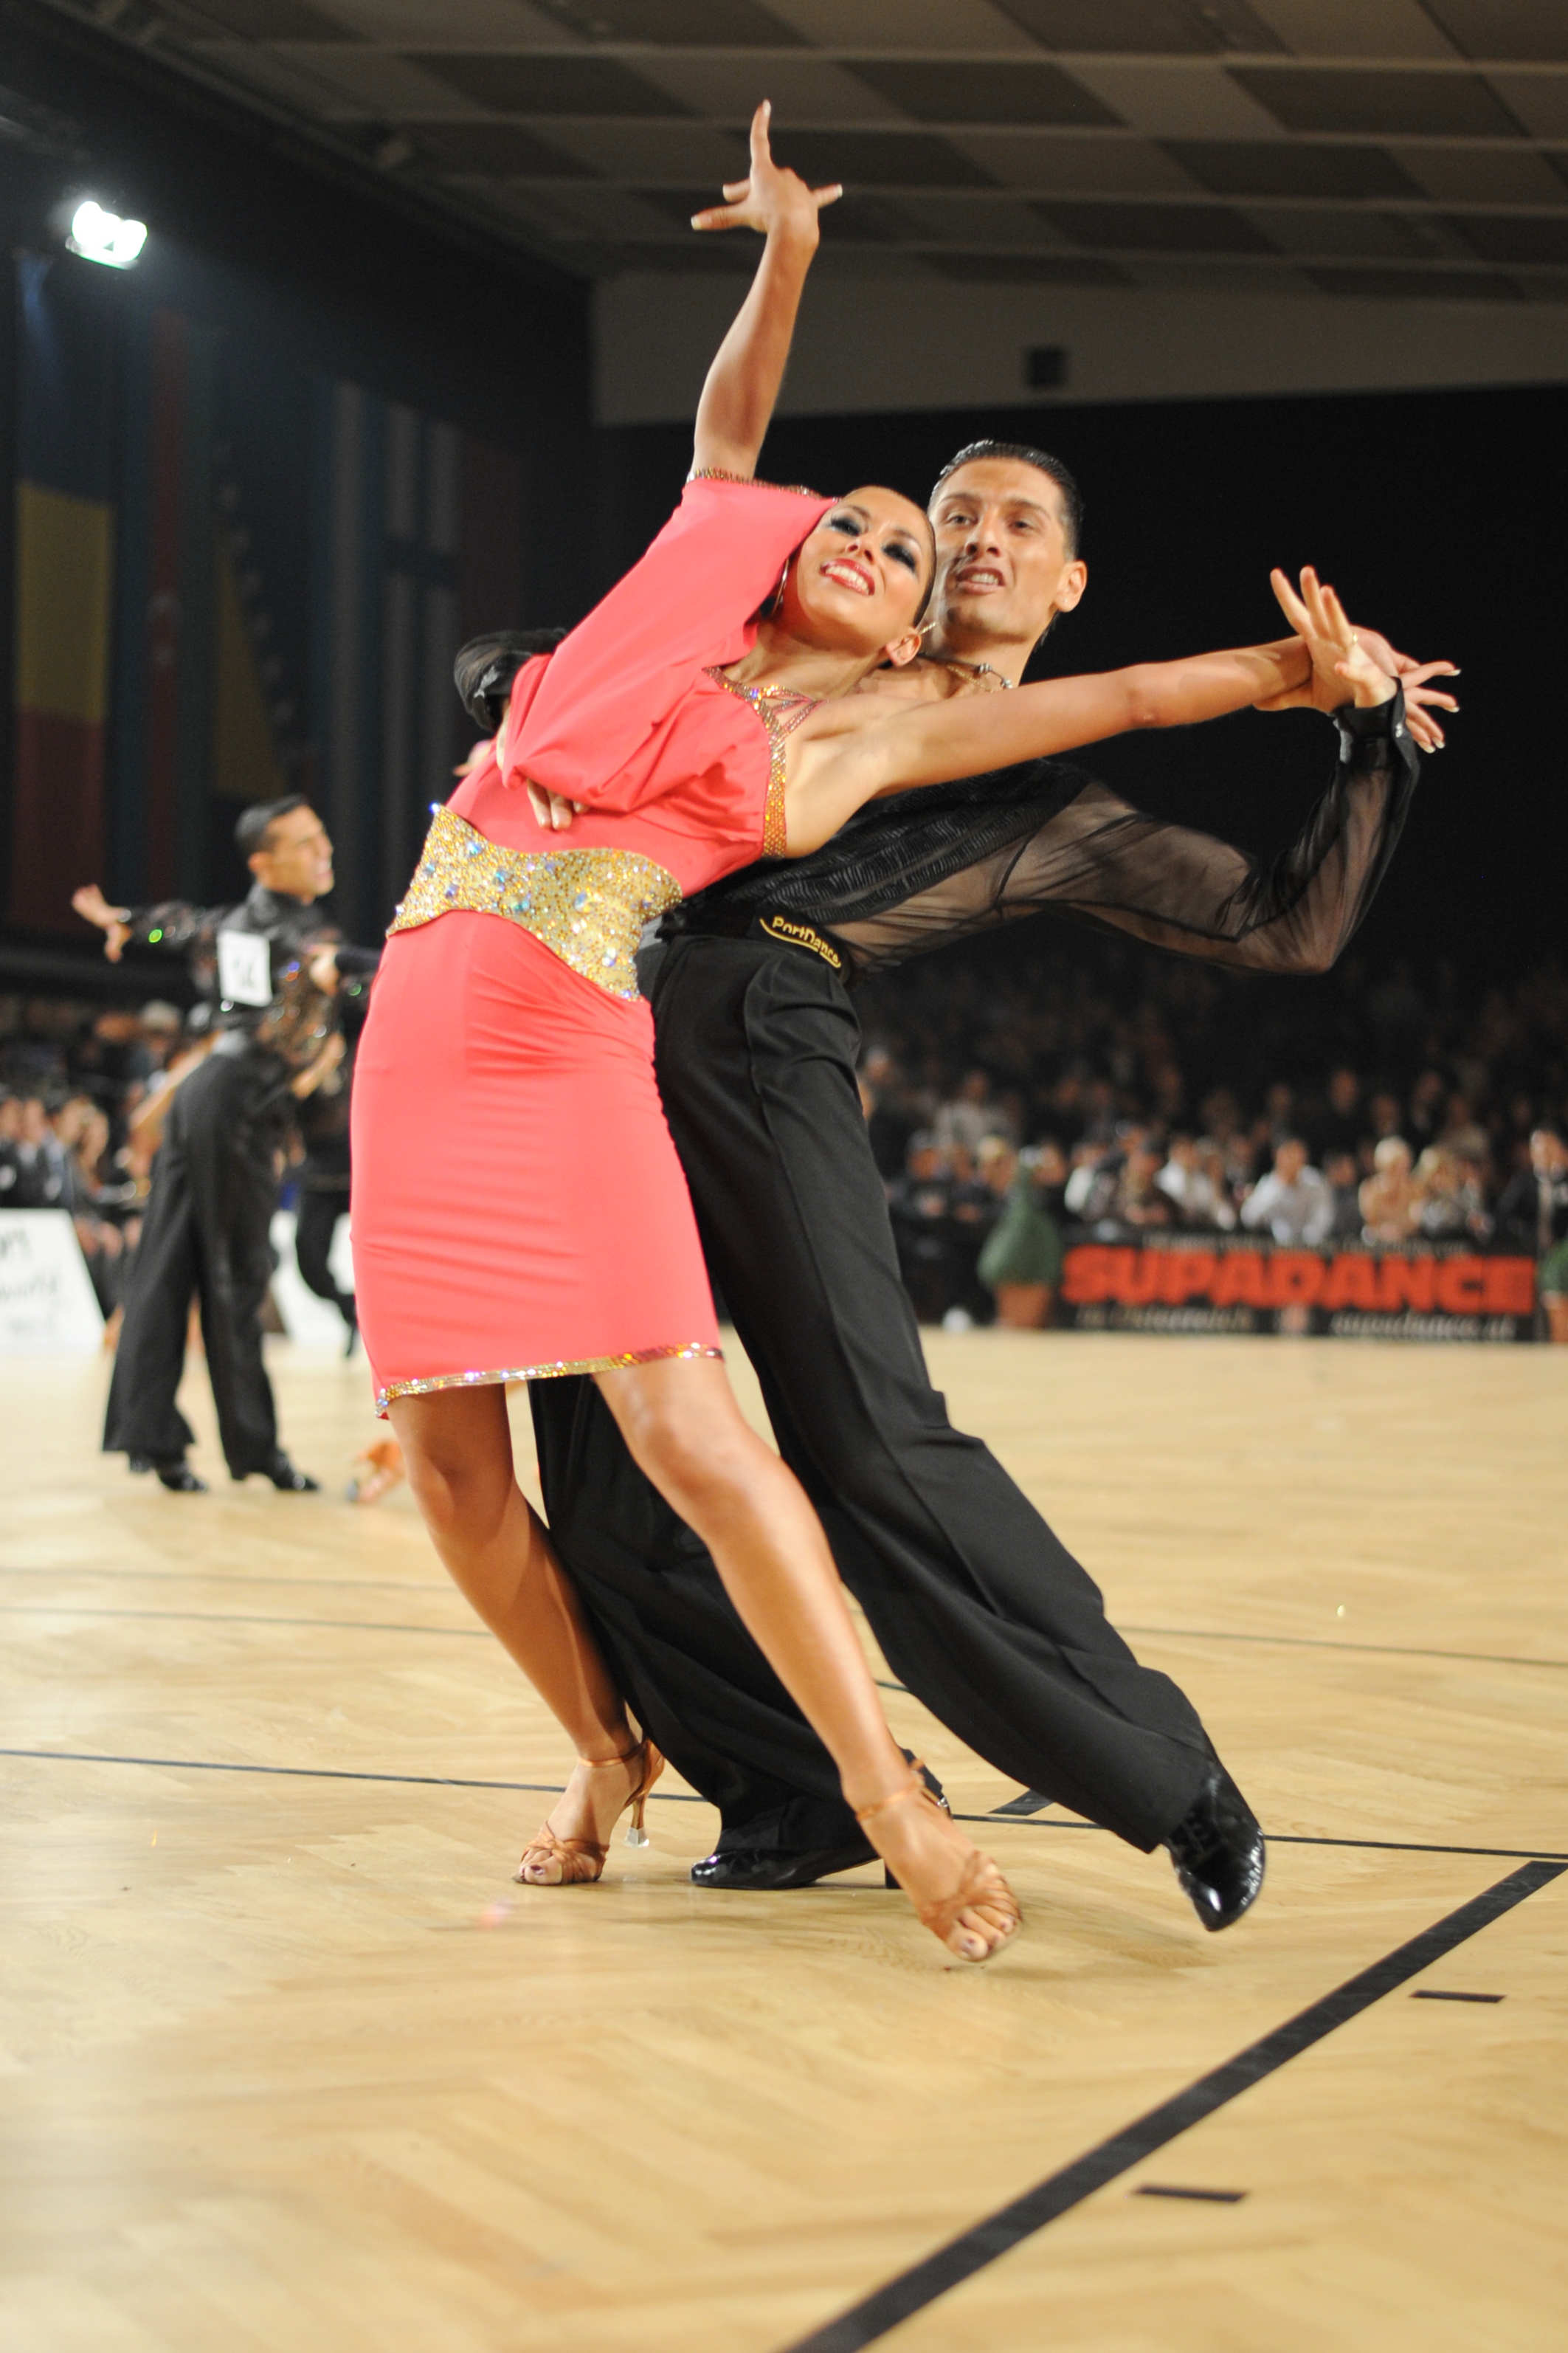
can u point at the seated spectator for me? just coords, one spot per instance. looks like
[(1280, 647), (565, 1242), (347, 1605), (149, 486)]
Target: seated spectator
[(1532, 1212), (972, 1115), (1452, 1203), (40, 1160), (1343, 1181), (890, 1119), (1293, 1202), (1139, 1201), (10, 1137), (918, 1203), (1021, 1263), (1390, 1202), (1192, 1181), (1336, 1124)]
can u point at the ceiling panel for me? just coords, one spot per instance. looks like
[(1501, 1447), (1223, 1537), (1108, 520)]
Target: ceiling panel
[(537, 84), (1317, 230), (1505, 28), (374, 80), (803, 88), (1376, 285), (1538, 101), (1515, 237), (677, 153), (878, 159), (1033, 270), (1185, 102), (1171, 28), (1016, 91), (413, 24), (271, 20), (962, 25), (1484, 175), (1076, 165), (1158, 228), (1435, 104), (1355, 28), (1244, 168), (673, 24), (504, 149)]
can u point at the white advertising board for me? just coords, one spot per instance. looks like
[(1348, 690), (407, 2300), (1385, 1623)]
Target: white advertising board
[(47, 1307)]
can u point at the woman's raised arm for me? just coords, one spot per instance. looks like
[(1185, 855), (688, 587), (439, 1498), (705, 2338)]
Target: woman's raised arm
[(743, 381)]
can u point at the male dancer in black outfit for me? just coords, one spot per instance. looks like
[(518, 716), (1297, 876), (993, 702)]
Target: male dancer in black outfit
[(267, 970), (978, 1607)]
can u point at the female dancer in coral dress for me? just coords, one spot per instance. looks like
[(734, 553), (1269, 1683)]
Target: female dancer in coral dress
[(519, 1208)]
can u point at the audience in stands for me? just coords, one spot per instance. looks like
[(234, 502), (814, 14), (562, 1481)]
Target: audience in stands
[(1012, 1094)]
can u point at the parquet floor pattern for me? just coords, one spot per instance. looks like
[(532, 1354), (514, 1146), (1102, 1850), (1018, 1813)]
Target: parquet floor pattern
[(289, 2066)]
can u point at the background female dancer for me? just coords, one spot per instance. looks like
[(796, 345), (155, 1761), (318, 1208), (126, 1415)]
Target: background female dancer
[(507, 1066)]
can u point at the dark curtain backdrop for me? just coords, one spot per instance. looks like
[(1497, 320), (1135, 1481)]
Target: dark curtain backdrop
[(1439, 516)]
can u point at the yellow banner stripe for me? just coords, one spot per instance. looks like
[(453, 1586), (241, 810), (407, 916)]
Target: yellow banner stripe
[(65, 587)]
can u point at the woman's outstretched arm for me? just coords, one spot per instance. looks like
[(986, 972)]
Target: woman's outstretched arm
[(836, 764), (743, 381)]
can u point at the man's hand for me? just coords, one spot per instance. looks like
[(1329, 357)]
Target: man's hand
[(316, 1073), (772, 197), (324, 971), (94, 908), (554, 811)]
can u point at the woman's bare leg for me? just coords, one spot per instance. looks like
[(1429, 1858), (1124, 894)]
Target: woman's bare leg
[(684, 1429), (456, 1445)]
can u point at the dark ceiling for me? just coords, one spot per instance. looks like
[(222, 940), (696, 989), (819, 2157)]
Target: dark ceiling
[(1376, 147)]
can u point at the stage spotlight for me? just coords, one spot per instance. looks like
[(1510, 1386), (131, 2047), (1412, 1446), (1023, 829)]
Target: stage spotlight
[(99, 236)]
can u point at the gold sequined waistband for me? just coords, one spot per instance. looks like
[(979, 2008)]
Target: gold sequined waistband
[(588, 906)]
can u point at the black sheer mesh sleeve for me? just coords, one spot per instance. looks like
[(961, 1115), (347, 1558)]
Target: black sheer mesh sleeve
[(920, 869), (174, 924)]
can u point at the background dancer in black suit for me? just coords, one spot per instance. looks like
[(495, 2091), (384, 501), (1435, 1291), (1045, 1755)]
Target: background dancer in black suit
[(977, 1606), (267, 971)]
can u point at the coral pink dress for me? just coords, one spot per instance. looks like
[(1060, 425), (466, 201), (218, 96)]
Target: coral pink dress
[(518, 1206)]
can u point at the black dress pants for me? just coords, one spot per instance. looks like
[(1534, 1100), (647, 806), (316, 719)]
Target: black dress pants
[(207, 1235), (322, 1201), (979, 1608)]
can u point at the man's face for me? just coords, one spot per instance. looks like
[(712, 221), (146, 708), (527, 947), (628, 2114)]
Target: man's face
[(1547, 1152), (1343, 1092), (1288, 1162), (298, 858), (1003, 569)]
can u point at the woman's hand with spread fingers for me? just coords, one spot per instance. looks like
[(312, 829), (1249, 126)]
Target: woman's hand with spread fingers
[(772, 197)]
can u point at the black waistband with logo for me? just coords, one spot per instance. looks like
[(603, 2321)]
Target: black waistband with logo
[(718, 922)]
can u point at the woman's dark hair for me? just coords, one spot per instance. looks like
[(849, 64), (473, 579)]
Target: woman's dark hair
[(485, 668), (1042, 463)]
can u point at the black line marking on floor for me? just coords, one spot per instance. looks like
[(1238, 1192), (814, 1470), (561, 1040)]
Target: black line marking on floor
[(1436, 1993), (1324, 1642), (1031, 1802), (240, 1618), (679, 1798), (1207, 2197), (987, 2241), (321, 1773), (1292, 1838)]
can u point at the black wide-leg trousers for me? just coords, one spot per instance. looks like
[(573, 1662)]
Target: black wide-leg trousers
[(979, 1608), (207, 1235)]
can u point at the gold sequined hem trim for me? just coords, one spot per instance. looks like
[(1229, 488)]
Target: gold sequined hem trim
[(722, 474), (686, 1348)]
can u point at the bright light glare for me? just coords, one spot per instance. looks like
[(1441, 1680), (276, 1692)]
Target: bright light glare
[(103, 237)]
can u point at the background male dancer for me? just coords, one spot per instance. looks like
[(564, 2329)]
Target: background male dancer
[(267, 971), (977, 1606)]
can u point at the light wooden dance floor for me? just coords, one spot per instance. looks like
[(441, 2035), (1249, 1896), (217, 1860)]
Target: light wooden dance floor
[(289, 2066)]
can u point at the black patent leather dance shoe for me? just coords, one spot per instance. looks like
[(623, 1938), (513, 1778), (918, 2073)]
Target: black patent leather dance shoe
[(1217, 1849), (177, 1476), (761, 1869), (288, 1480)]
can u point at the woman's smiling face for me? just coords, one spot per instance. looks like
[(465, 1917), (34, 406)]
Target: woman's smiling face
[(860, 581)]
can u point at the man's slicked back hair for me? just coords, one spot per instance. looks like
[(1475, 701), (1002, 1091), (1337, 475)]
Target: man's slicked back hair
[(257, 821), (1022, 454)]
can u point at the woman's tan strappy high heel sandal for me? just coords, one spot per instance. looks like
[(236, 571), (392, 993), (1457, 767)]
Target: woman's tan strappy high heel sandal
[(579, 1859), (980, 1889)]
